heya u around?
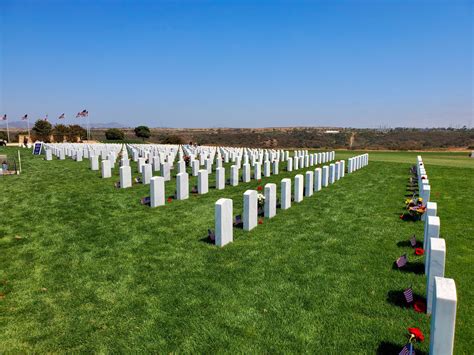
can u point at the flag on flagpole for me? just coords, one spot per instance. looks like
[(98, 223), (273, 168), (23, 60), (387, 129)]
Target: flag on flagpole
[(402, 261), (408, 293), (4, 117), (61, 117), (78, 115), (46, 118), (25, 117), (84, 113), (413, 241)]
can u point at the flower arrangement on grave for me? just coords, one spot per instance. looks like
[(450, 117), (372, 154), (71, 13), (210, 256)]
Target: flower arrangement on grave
[(415, 209), (419, 306), (259, 188), (416, 335), (419, 251), (187, 160), (170, 199), (260, 200)]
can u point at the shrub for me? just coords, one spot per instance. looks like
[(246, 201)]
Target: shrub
[(114, 134), (172, 139)]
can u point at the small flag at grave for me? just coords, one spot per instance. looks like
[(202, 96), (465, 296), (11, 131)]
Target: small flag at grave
[(211, 236), (407, 350), (145, 200), (408, 293), (413, 240), (401, 261)]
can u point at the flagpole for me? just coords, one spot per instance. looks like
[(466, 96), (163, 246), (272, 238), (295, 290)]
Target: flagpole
[(88, 128), (28, 125), (8, 132)]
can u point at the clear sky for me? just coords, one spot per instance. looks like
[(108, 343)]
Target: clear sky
[(240, 63)]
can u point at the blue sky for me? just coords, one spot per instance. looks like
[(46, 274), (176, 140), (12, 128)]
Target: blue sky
[(240, 63)]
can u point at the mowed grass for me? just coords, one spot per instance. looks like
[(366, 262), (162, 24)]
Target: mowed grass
[(96, 271)]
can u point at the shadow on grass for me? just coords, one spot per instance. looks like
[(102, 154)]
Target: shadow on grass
[(389, 348), (398, 299), (415, 268), (406, 243)]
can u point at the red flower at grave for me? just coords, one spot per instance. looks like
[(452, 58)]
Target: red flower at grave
[(402, 216), (417, 334), (170, 199), (260, 221), (259, 188), (419, 306), (419, 251)]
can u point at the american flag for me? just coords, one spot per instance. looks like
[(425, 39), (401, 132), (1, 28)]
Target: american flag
[(402, 261), (61, 117), (78, 115), (408, 293), (25, 117), (413, 241), (46, 118), (4, 117), (407, 350), (84, 113)]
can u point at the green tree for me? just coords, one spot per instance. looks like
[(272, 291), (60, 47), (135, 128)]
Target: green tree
[(114, 134), (42, 129), (76, 131), (59, 131), (142, 132)]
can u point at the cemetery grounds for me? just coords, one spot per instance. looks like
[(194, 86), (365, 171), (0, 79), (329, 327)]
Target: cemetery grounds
[(85, 267)]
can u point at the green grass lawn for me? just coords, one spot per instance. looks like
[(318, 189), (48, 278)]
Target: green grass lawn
[(96, 271)]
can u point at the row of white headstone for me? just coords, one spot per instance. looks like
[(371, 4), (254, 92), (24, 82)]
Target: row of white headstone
[(157, 187), (441, 294), (306, 185)]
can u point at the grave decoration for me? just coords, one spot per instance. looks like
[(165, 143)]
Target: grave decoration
[(145, 201), (414, 209), (401, 261), (419, 251), (415, 336), (413, 241), (211, 236), (238, 222)]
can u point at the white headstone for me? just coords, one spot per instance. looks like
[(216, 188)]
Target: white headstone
[(220, 178), (436, 263), (125, 177), (250, 215), (246, 172), (270, 200), (224, 222), (309, 185), (289, 164), (432, 229), (157, 191), (317, 179), (257, 174), (285, 193), (443, 319), (325, 181), (203, 182), (298, 188), (182, 186), (165, 171), (234, 175), (146, 173), (106, 171)]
